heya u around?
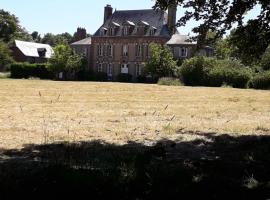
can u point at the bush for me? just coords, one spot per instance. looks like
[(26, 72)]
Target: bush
[(229, 72), (100, 76), (27, 70), (261, 81), (195, 71), (169, 81), (126, 78)]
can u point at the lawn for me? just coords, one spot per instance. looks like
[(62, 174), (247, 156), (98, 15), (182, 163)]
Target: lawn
[(42, 112), (132, 141)]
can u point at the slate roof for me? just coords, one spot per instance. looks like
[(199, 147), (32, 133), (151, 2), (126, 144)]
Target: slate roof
[(155, 18), (86, 41), (180, 39), (30, 49)]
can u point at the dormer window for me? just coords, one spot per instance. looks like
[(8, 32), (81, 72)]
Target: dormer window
[(111, 31), (126, 30), (142, 28), (153, 31), (104, 31)]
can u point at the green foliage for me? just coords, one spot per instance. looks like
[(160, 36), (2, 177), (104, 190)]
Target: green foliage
[(58, 61), (265, 61), (222, 49), (5, 56), (200, 71), (64, 60), (59, 39), (8, 25), (126, 78), (161, 62), (261, 81), (195, 71), (27, 70), (169, 81), (229, 72)]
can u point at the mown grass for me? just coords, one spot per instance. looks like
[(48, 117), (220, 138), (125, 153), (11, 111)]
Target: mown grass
[(132, 141), (38, 112)]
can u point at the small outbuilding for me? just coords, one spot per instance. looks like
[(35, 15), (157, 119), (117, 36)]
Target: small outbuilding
[(31, 52)]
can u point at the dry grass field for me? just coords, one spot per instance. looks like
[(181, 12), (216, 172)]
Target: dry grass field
[(42, 112)]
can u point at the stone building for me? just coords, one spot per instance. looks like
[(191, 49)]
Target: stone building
[(121, 44)]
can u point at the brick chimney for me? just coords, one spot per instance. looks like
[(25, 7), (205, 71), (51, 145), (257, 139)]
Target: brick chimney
[(108, 11), (172, 9), (81, 34)]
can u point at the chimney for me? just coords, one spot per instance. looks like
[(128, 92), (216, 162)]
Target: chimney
[(81, 34), (172, 8), (108, 11)]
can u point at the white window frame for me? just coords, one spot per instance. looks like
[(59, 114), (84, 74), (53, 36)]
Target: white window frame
[(100, 67), (138, 70), (138, 50), (110, 50), (111, 31), (124, 68), (125, 50), (100, 50), (125, 31), (182, 53), (110, 69)]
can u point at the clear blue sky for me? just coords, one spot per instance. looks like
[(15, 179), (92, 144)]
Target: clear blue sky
[(58, 16)]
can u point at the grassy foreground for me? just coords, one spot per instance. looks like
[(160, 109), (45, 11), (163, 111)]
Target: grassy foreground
[(38, 112), (132, 141)]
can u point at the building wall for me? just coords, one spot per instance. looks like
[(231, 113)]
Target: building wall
[(117, 59), (20, 57), (84, 50)]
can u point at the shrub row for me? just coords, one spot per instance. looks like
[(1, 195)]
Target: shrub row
[(261, 81), (26, 70), (200, 71)]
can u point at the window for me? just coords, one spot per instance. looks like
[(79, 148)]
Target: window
[(138, 70), (152, 31), (110, 50), (183, 52), (100, 50), (125, 30), (125, 50), (124, 68), (99, 67), (138, 50), (110, 70), (111, 31)]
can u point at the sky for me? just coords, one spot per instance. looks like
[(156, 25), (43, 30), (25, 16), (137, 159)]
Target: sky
[(59, 16)]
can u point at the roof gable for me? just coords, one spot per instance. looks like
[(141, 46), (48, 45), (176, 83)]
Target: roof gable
[(30, 49), (153, 18)]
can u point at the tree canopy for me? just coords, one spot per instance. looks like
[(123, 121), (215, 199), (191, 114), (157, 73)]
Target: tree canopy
[(220, 15), (161, 62)]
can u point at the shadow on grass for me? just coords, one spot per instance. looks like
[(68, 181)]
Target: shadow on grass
[(216, 167)]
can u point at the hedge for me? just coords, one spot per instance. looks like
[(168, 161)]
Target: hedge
[(261, 81), (200, 71), (27, 70), (126, 78)]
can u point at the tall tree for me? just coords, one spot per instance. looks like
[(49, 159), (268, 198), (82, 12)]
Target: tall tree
[(219, 15), (5, 55), (161, 62), (8, 25)]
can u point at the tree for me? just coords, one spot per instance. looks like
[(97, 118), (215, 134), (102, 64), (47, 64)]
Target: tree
[(249, 42), (10, 28), (265, 62), (54, 40), (64, 60), (36, 36), (5, 55), (161, 62), (8, 25), (219, 15)]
